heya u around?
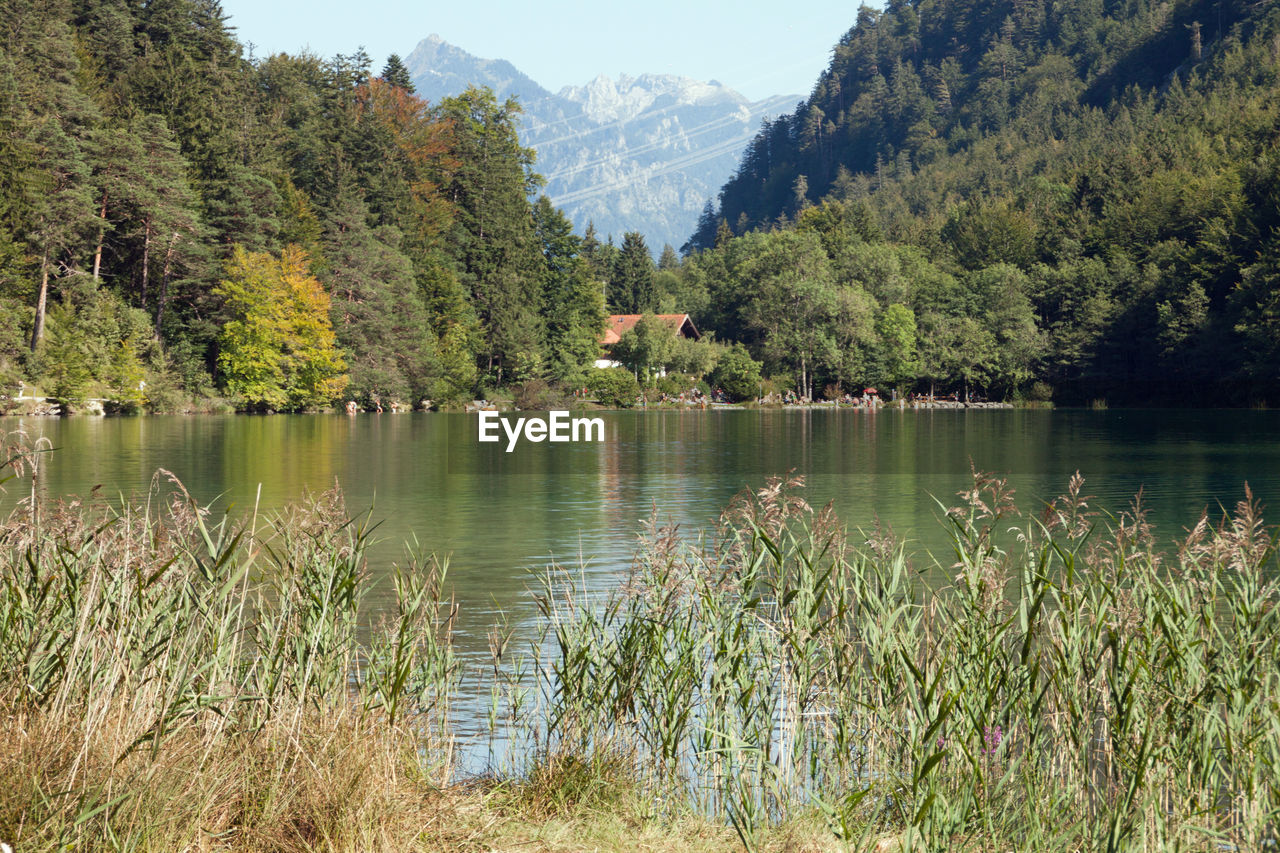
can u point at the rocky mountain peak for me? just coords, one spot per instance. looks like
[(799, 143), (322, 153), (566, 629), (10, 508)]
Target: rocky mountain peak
[(629, 153)]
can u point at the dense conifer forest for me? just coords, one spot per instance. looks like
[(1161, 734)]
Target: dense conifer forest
[(1016, 198)]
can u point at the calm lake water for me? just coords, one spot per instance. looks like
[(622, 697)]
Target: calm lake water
[(501, 514)]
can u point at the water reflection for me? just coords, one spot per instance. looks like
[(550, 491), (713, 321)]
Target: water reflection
[(500, 514)]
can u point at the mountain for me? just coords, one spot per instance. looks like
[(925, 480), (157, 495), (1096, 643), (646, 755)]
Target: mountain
[(633, 154)]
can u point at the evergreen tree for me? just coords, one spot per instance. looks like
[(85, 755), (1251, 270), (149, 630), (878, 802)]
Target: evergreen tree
[(574, 304), (396, 74), (668, 261), (376, 308), (494, 233), (61, 217), (704, 234), (631, 287)]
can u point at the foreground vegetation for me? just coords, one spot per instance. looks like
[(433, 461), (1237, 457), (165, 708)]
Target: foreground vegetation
[(171, 681)]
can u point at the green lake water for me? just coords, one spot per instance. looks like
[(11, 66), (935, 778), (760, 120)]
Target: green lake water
[(501, 514)]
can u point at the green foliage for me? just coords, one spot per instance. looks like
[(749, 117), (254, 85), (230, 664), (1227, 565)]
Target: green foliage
[(646, 348), (1092, 185), (396, 74), (737, 374), (574, 303), (278, 352), (631, 285), (1077, 194), (494, 232), (794, 305), (96, 346), (13, 336), (696, 358), (377, 311), (66, 351), (139, 147), (897, 330), (675, 384), (614, 387)]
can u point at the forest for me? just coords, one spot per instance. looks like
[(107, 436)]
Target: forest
[(185, 225), (1021, 199), (1043, 199)]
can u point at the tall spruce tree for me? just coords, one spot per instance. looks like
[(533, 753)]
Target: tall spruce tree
[(631, 288), (494, 233), (574, 315), (396, 74), (376, 307)]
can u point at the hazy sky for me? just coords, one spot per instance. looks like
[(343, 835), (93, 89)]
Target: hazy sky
[(757, 48)]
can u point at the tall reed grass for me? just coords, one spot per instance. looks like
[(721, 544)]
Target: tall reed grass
[(174, 680), (1072, 688)]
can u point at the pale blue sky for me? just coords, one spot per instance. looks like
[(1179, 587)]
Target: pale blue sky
[(760, 49)]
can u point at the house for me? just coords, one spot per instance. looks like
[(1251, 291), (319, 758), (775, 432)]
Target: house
[(680, 325)]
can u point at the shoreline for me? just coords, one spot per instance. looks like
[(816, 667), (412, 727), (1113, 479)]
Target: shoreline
[(48, 408)]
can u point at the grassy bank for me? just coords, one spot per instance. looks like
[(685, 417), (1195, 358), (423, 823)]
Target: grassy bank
[(170, 680)]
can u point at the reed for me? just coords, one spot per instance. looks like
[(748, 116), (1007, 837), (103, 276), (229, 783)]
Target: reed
[(1072, 687), (170, 679)]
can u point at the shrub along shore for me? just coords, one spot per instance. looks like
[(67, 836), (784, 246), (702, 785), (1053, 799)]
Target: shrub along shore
[(172, 680)]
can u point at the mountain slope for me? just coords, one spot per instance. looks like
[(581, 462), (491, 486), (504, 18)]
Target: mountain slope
[(633, 154), (1113, 173), (925, 81)]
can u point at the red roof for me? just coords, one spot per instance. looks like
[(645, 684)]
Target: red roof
[(618, 323)]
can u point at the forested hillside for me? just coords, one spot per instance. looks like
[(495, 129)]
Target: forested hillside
[(1000, 193), (1009, 197), (180, 221)]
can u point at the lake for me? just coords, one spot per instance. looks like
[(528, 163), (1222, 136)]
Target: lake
[(501, 514)]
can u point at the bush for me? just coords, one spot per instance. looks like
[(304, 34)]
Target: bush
[(737, 374), (15, 330), (1041, 392), (529, 395), (614, 387), (675, 384), (697, 358), (539, 395)]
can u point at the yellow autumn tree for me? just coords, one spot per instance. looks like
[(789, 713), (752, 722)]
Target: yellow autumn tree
[(278, 351)]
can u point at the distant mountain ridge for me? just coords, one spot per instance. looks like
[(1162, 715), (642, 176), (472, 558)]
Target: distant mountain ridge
[(638, 153)]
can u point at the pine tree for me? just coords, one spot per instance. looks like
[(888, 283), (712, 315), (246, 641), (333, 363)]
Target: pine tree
[(493, 231), (62, 216), (377, 311), (704, 234), (668, 261), (396, 74), (631, 287), (574, 315)]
